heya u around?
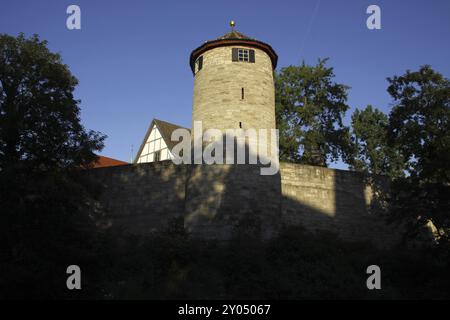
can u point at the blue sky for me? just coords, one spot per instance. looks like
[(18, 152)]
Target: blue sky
[(131, 57)]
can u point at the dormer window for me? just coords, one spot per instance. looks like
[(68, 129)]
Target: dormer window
[(243, 55), (198, 64)]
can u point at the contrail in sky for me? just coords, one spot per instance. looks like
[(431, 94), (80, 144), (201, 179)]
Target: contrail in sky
[(311, 21)]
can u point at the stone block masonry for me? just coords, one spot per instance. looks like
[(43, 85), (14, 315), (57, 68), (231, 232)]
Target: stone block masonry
[(141, 198), (338, 201), (220, 199), (213, 199), (218, 101)]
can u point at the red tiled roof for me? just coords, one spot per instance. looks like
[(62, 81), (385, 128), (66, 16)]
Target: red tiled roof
[(108, 162)]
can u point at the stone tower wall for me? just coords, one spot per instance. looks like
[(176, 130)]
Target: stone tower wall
[(217, 91)]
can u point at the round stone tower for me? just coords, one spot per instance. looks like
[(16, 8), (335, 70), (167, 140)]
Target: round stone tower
[(233, 89), (233, 83)]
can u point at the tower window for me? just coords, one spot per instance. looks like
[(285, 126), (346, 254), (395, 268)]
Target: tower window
[(242, 94), (240, 125), (198, 64), (243, 55)]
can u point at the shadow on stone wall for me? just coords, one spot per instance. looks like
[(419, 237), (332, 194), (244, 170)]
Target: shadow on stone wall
[(220, 201), (141, 198), (343, 202), (225, 199)]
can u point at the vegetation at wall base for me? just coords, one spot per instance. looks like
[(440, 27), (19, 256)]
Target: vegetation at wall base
[(172, 265)]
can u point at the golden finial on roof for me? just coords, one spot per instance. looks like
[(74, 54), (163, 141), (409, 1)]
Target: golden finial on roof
[(232, 24)]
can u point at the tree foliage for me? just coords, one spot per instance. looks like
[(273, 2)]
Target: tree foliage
[(412, 146), (373, 154), (310, 106), (43, 147), (419, 124), (39, 118)]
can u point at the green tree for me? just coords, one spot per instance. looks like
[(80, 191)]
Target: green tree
[(43, 146), (309, 110), (373, 154), (419, 124)]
